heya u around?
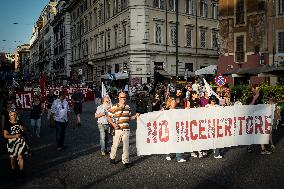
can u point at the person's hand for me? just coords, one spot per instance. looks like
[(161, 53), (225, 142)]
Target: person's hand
[(115, 126), (137, 114), (256, 95), (18, 136)]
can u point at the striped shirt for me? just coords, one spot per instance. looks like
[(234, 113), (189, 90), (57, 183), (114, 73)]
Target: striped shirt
[(119, 117)]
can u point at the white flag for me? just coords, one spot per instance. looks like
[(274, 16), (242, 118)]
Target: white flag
[(210, 90), (104, 91)]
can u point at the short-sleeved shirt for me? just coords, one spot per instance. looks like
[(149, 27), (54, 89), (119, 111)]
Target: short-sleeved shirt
[(119, 117), (60, 110), (102, 109)]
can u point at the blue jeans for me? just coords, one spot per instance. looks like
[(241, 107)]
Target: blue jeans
[(60, 132), (104, 129), (36, 124), (178, 156)]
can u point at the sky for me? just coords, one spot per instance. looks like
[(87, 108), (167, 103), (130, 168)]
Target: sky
[(23, 12)]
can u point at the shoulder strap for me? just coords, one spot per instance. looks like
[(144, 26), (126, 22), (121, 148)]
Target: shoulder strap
[(121, 112)]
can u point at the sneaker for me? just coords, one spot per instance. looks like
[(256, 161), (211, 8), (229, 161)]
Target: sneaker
[(249, 149), (181, 161), (168, 158), (127, 165), (112, 161), (103, 153), (218, 157), (193, 155), (204, 154), (200, 154), (265, 152)]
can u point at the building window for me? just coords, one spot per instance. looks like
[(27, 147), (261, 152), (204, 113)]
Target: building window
[(189, 7), (124, 4), (281, 42), (240, 12), (214, 11), (188, 34), (90, 21), (202, 38), (95, 17), (108, 39), (116, 68), (103, 70), (240, 55), (158, 34), (86, 28), (102, 42), (173, 35), (91, 46), (189, 67), (107, 9), (115, 7), (172, 5), (124, 29), (96, 45), (100, 15), (160, 4), (214, 40), (281, 7), (203, 8), (115, 37)]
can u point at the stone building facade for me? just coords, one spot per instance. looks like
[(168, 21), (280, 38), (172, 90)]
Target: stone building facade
[(42, 41), (139, 36), (61, 47)]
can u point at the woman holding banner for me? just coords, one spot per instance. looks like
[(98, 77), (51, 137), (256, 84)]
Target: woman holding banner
[(213, 103), (171, 104)]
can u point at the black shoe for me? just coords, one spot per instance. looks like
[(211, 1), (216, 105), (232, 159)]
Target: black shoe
[(127, 165), (249, 149), (79, 125), (112, 161)]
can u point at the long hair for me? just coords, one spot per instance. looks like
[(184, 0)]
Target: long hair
[(169, 101)]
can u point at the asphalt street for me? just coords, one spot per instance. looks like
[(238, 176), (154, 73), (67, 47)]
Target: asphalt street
[(82, 166)]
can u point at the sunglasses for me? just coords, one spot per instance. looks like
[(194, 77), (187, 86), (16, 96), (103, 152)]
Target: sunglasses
[(122, 97)]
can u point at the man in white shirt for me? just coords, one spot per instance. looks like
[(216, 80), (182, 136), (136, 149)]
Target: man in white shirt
[(101, 115), (61, 114)]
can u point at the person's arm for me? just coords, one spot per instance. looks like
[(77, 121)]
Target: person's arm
[(99, 114), (134, 116), (8, 136), (255, 97), (114, 125)]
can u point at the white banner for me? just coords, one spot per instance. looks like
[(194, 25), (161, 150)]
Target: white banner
[(181, 130)]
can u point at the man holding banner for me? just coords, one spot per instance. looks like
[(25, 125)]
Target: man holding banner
[(119, 116)]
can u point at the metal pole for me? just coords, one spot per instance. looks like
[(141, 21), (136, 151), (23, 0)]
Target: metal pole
[(177, 9)]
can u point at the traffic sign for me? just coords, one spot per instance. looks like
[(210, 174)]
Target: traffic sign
[(220, 80)]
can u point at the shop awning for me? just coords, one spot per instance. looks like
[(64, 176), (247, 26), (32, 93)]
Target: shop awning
[(207, 70), (246, 72), (115, 76)]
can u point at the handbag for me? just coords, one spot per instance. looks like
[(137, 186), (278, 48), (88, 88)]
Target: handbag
[(112, 130)]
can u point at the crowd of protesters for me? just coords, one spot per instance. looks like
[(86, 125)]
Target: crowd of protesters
[(113, 118)]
